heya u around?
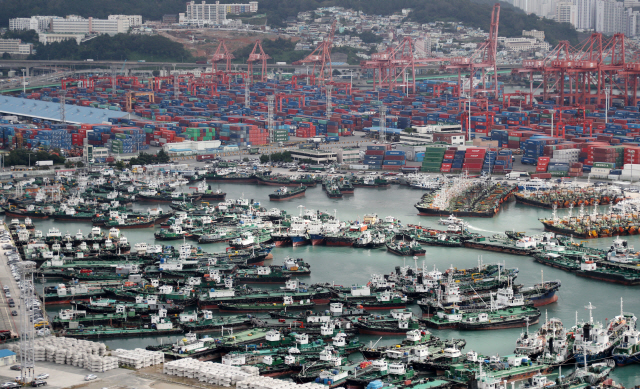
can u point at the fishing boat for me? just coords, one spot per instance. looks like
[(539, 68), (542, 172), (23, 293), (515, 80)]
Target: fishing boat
[(288, 303), (207, 193), (285, 193), (369, 240), (401, 248), (466, 196), (333, 192)]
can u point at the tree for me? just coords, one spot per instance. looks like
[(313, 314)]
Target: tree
[(409, 130), (80, 164), (120, 165), (26, 157), (6, 55), (336, 72), (156, 73), (245, 159), (163, 157)]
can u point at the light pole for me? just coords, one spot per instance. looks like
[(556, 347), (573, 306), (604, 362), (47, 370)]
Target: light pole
[(24, 84), (607, 91), (469, 118), (30, 154), (632, 153)]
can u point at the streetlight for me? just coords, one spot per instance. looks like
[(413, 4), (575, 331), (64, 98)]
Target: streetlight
[(24, 83), (632, 153), (607, 91), (30, 154)]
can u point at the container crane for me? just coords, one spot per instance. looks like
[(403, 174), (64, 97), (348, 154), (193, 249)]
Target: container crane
[(321, 57), (484, 59), (222, 54), (258, 55)]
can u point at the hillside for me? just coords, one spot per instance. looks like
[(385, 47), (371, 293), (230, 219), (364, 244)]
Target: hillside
[(472, 13)]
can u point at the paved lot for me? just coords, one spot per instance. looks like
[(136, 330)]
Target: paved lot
[(66, 376)]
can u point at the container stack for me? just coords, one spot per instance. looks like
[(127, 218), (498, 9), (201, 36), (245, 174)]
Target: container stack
[(432, 162), (306, 130), (393, 160), (533, 149), (280, 134), (199, 133), (601, 170), (374, 156), (474, 159), (503, 162), (543, 164), (489, 161), (502, 136), (565, 155), (575, 169), (559, 169)]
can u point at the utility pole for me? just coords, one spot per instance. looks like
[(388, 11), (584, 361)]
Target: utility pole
[(114, 76), (176, 86), (246, 92), (63, 106), (270, 122), (328, 89), (383, 121)]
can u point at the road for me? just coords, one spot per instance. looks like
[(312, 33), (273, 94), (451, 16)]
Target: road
[(6, 320)]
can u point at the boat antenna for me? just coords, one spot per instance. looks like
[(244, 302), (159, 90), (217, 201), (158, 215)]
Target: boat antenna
[(590, 307)]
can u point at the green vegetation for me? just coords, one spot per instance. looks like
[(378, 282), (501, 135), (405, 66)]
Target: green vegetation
[(149, 159), (276, 157), (28, 36), (280, 50), (118, 47), (27, 157)]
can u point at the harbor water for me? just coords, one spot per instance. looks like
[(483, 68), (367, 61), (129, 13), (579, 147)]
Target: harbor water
[(349, 266)]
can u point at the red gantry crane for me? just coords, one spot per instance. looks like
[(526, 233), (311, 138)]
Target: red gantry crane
[(584, 75), (222, 54), (483, 59), (321, 57), (258, 54)]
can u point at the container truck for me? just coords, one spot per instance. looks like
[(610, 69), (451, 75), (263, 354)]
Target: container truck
[(44, 163)]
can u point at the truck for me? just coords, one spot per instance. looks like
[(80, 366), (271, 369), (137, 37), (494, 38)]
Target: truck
[(317, 139), (516, 175), (281, 63), (44, 163), (254, 150)]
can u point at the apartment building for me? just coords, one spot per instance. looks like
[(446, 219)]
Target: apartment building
[(203, 13), (77, 25), (566, 12), (134, 20), (37, 23), (15, 46)]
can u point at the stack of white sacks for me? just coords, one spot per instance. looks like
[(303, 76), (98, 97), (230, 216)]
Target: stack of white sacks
[(70, 351), (138, 358), (246, 377)]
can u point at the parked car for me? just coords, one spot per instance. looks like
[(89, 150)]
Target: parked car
[(90, 377), (42, 376), (16, 367)]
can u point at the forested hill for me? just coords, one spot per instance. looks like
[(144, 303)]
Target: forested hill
[(471, 13)]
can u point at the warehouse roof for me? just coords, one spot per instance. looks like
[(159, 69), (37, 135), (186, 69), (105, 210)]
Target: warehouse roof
[(6, 353), (51, 111)]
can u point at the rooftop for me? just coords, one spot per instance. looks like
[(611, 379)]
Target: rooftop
[(51, 111)]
